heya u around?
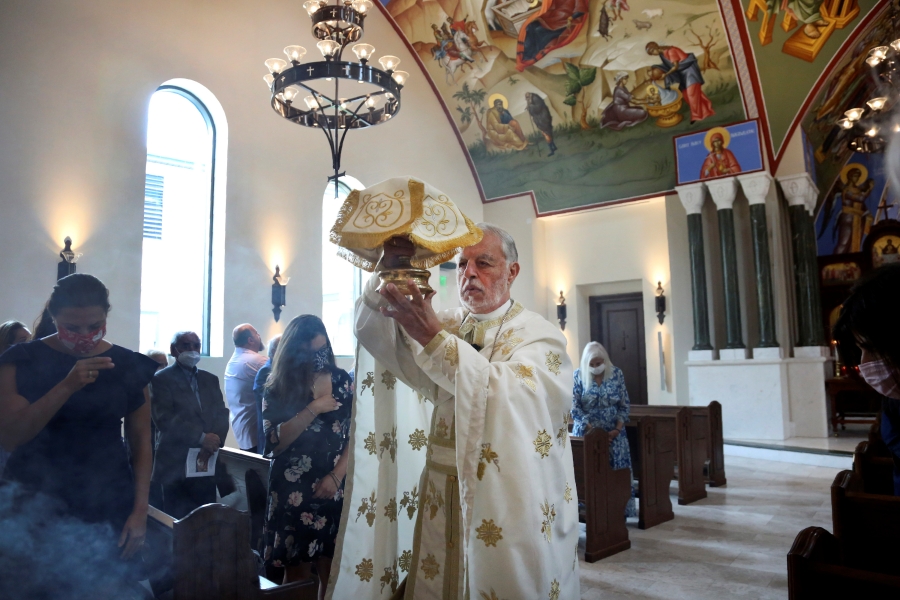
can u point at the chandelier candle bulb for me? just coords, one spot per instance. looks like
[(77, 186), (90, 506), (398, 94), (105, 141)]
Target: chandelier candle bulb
[(873, 61), (872, 132), (400, 77), (389, 63), (269, 78), (275, 65), (370, 102), (879, 51), (877, 103), (896, 45), (312, 6), (311, 102), (328, 48), (289, 94), (362, 6), (364, 52), (854, 114), (295, 53), (845, 123)]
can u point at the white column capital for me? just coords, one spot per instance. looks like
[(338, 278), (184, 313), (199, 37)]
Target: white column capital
[(800, 190), (723, 192), (692, 197), (756, 186)]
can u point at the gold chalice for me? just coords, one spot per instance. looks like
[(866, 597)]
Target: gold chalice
[(402, 207)]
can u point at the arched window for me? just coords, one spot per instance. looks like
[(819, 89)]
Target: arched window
[(341, 281), (178, 272)]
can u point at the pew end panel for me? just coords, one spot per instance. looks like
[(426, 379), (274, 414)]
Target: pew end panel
[(815, 571), (605, 493), (653, 460), (874, 467), (866, 526), (715, 446)]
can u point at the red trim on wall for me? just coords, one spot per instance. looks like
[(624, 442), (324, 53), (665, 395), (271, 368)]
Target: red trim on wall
[(829, 69), (437, 95)]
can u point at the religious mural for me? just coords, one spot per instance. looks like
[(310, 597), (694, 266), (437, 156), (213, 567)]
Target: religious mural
[(854, 193), (575, 100), (793, 42)]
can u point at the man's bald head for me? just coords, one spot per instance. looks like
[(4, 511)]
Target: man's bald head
[(245, 336)]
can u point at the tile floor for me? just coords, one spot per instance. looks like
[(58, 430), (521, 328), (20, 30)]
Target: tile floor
[(732, 544)]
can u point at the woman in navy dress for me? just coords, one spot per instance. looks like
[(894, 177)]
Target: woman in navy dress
[(306, 416), (62, 402), (600, 399)]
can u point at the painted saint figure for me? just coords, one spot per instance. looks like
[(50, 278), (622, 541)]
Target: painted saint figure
[(855, 219), (557, 24), (620, 113), (681, 67), (541, 117), (720, 160), (502, 129)]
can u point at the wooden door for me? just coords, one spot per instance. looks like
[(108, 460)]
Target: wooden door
[(617, 322)]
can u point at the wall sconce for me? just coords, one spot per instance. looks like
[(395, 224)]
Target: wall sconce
[(278, 292), (561, 311), (67, 265), (660, 302)]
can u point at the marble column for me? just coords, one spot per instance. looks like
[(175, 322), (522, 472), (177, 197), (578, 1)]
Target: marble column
[(723, 192), (756, 188), (692, 197), (801, 194)]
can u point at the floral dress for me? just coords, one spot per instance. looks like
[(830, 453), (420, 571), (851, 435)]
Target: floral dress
[(301, 528), (604, 406)]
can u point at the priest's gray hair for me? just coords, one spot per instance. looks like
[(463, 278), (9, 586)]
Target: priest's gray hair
[(592, 351), (506, 241)]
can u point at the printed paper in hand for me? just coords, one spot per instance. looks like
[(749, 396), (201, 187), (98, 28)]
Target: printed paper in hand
[(195, 467)]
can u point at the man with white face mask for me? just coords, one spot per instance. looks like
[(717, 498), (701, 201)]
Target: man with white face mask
[(189, 412)]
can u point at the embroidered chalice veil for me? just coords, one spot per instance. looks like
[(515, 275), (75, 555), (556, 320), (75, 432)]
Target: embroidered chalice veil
[(402, 206)]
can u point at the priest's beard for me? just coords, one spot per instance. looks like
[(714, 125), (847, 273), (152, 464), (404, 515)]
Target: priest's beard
[(479, 299)]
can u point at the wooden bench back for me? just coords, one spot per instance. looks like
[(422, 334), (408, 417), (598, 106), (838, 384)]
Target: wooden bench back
[(249, 475), (605, 492), (866, 525), (653, 442), (874, 468), (815, 571)]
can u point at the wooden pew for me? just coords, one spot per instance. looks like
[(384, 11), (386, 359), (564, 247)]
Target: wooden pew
[(248, 474), (867, 526), (211, 557), (690, 449), (653, 443), (605, 492), (875, 469), (815, 571)]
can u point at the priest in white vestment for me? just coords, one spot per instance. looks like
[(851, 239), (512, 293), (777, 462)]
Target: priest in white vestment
[(498, 511)]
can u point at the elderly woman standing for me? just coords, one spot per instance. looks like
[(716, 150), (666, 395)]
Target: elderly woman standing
[(600, 399)]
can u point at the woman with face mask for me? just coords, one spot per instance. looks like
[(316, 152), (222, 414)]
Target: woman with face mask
[(600, 400), (62, 402), (866, 332), (306, 417)]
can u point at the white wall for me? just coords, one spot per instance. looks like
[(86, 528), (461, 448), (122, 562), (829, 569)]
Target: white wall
[(619, 249), (75, 82)]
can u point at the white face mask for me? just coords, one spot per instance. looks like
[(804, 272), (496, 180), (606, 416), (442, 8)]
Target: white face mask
[(189, 359), (880, 377), (598, 370)]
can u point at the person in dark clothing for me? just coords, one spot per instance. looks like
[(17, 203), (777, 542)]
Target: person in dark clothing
[(306, 412), (189, 412), (866, 334), (259, 388), (62, 402), (541, 117)]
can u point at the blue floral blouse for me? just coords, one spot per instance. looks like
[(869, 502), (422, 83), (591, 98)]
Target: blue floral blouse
[(603, 405)]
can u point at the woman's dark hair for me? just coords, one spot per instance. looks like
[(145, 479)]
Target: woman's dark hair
[(78, 290), (293, 366), (870, 319), (43, 325), (8, 333)]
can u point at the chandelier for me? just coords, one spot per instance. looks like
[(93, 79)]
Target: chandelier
[(869, 126), (309, 94)]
